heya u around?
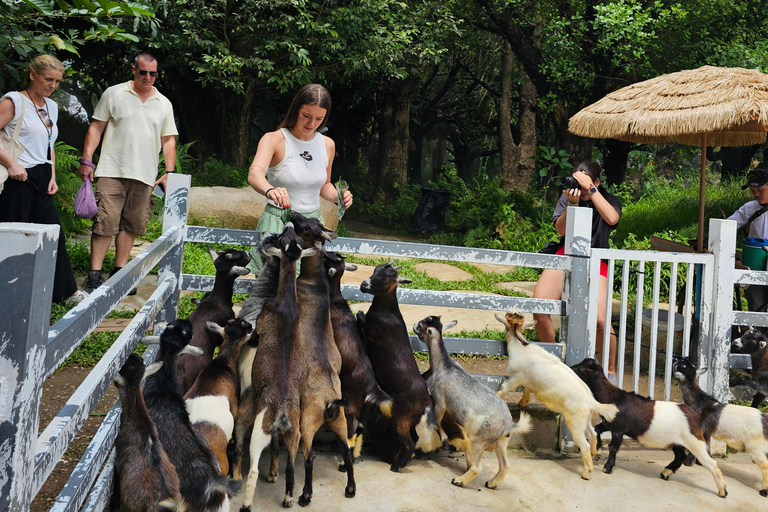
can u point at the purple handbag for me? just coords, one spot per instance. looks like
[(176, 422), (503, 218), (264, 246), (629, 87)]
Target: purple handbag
[(85, 201)]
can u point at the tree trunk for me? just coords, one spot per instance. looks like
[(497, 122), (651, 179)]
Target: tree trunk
[(234, 136), (517, 160), (394, 136), (615, 160)]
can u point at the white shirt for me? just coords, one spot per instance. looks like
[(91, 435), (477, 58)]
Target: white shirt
[(132, 137), (759, 226), (33, 134), (303, 171)]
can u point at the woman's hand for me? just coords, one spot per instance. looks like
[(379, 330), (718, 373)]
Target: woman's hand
[(17, 172), (279, 195), (52, 187), (347, 199)]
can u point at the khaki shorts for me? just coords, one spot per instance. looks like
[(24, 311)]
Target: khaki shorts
[(123, 205)]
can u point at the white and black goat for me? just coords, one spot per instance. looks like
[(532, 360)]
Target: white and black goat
[(753, 342), (145, 479), (212, 400), (215, 307), (203, 488), (654, 423), (741, 428), (358, 382), (413, 423), (556, 386), (483, 417)]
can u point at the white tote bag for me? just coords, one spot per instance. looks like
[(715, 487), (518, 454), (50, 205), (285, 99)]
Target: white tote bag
[(11, 145)]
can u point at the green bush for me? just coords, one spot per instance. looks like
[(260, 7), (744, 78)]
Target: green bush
[(215, 173)]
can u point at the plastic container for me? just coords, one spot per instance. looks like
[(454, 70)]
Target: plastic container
[(661, 339), (752, 253)]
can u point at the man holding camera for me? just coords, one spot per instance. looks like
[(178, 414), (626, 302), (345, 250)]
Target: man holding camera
[(137, 123), (582, 188)]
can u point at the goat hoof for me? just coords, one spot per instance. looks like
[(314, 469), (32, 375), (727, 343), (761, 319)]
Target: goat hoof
[(489, 485), (272, 478), (457, 483), (586, 476), (245, 509), (394, 468), (287, 503), (665, 474), (350, 491), (607, 470), (724, 493), (764, 492), (304, 500)]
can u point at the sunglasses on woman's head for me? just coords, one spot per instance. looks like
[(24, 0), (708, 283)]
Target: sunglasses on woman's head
[(143, 72)]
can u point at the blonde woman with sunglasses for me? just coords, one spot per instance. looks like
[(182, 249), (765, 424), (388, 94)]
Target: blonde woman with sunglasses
[(27, 194)]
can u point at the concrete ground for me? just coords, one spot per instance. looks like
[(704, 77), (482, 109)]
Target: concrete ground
[(540, 481)]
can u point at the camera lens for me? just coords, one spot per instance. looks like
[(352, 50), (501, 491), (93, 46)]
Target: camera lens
[(569, 182)]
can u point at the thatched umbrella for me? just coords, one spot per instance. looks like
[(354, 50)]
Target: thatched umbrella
[(708, 106)]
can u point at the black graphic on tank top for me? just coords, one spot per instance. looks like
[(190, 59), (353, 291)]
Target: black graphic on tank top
[(306, 156)]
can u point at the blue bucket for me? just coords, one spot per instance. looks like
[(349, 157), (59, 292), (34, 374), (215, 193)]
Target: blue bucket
[(752, 253)]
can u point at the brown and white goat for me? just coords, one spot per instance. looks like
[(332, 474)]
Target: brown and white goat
[(556, 386), (145, 479), (654, 423), (215, 307), (741, 428), (386, 339), (358, 382), (278, 373), (212, 400), (483, 417)]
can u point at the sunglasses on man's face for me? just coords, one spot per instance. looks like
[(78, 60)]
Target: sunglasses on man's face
[(143, 72)]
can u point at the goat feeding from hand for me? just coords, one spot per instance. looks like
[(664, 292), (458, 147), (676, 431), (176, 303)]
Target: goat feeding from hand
[(483, 417), (741, 428), (145, 479), (556, 386), (215, 307), (654, 423)]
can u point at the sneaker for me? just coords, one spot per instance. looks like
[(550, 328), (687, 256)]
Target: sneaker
[(77, 298), (93, 281), (115, 271)]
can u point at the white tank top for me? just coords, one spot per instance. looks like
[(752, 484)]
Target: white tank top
[(33, 134), (302, 171)]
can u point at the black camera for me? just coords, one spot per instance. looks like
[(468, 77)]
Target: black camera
[(569, 182)]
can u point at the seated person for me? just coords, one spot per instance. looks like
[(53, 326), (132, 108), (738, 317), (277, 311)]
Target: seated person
[(606, 211), (753, 216)]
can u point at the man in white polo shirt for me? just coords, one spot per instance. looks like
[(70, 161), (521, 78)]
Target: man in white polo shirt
[(137, 123)]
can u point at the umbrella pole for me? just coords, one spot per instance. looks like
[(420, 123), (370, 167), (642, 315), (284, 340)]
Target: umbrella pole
[(702, 188)]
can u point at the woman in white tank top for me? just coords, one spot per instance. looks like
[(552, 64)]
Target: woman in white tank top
[(292, 166)]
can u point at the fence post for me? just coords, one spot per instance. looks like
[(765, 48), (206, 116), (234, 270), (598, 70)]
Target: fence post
[(578, 245), (175, 214), (27, 257)]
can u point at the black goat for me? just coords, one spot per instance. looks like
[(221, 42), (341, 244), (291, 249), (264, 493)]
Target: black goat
[(654, 423), (215, 307), (385, 336), (145, 479), (202, 486), (753, 342)]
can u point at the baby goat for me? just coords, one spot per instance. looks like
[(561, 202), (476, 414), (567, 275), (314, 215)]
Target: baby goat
[(483, 417), (558, 388), (213, 399), (753, 342), (653, 423), (742, 428), (202, 486), (145, 479)]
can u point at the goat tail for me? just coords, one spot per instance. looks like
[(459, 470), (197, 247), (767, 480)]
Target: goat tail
[(607, 411), (332, 409), (281, 424), (523, 426), (173, 505), (382, 400), (428, 432), (220, 492)]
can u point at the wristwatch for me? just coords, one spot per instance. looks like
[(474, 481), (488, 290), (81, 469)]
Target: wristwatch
[(592, 189)]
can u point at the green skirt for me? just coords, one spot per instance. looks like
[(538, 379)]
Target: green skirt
[(271, 222)]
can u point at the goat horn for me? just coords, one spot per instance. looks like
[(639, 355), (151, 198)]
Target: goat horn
[(397, 267), (213, 253), (390, 262), (326, 236)]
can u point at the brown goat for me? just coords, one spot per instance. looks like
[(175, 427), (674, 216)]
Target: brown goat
[(213, 399)]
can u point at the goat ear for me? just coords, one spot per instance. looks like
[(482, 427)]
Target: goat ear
[(272, 251), (403, 280), (215, 328), (500, 318), (701, 371), (762, 344), (150, 340), (349, 267), (192, 351), (450, 325), (308, 252), (152, 368), (239, 271), (213, 253), (119, 381)]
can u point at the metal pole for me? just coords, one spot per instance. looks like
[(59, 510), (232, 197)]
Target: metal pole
[(702, 190)]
